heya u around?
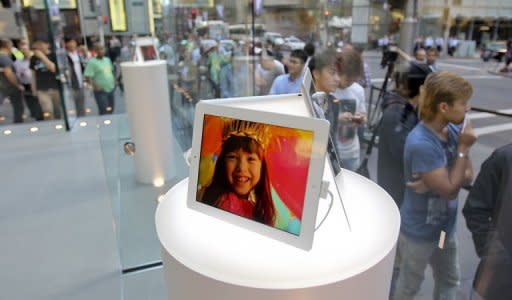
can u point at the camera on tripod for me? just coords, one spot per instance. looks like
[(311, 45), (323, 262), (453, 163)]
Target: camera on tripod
[(389, 56)]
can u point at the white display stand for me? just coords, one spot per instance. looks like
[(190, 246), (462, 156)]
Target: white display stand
[(205, 258), (149, 116)]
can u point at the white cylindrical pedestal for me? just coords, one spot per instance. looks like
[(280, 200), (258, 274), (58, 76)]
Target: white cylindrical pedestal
[(149, 115), (205, 258)]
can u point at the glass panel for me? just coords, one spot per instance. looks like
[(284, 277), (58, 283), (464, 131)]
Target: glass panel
[(55, 36), (50, 30), (133, 203), (212, 50)]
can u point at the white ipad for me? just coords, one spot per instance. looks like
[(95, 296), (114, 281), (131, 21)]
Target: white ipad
[(146, 49), (290, 104), (258, 170), (314, 108)]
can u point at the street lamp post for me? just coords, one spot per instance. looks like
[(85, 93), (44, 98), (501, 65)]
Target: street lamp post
[(101, 32), (325, 14), (407, 27)]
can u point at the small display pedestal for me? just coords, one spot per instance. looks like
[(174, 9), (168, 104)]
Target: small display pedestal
[(149, 116), (205, 258)]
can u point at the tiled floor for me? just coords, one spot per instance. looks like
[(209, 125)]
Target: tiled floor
[(56, 230)]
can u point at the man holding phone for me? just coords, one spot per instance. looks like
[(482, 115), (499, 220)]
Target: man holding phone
[(349, 108), (436, 166)]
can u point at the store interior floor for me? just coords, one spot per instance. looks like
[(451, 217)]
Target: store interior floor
[(58, 239)]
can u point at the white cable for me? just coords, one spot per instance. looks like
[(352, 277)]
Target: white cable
[(328, 210)]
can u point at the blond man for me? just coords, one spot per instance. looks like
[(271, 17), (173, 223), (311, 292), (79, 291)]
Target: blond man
[(436, 166)]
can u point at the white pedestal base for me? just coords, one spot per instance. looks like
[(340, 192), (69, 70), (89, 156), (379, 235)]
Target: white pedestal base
[(205, 258), (149, 116)]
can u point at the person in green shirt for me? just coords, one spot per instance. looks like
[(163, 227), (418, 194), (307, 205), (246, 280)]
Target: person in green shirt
[(99, 72)]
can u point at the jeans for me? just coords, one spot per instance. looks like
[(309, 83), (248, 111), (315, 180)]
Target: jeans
[(16, 99), (78, 96), (415, 256), (396, 273), (351, 163), (105, 101), (33, 104)]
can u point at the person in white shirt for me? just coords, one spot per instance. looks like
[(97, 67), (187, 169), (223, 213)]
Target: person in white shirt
[(432, 55), (349, 108), (429, 42), (439, 44), (420, 55), (384, 43), (452, 45), (291, 82), (24, 76), (76, 67), (266, 71)]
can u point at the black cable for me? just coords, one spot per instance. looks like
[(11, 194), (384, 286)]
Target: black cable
[(494, 112)]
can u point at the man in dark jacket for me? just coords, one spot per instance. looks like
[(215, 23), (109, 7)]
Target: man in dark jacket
[(398, 119), (488, 216), (76, 68)]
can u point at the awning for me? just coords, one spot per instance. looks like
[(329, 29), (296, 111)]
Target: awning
[(339, 22)]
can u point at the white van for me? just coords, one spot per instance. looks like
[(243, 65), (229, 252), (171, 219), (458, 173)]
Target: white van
[(239, 32), (215, 29)]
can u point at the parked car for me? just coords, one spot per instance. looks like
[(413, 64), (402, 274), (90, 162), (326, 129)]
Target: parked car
[(495, 50), (274, 37), (293, 43), (240, 32)]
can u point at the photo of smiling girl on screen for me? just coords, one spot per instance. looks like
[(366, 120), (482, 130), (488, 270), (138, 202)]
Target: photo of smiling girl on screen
[(254, 170)]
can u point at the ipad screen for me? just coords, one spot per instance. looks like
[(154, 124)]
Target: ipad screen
[(254, 170), (148, 52)]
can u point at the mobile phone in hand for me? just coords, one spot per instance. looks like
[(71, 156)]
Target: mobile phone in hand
[(464, 123)]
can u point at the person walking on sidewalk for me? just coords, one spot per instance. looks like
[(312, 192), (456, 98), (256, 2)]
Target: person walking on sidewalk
[(9, 85), (99, 72), (24, 75), (45, 83), (76, 68), (508, 57)]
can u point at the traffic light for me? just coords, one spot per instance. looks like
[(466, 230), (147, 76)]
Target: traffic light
[(326, 13), (6, 3)]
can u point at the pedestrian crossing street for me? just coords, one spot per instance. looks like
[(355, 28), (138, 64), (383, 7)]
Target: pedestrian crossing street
[(489, 129)]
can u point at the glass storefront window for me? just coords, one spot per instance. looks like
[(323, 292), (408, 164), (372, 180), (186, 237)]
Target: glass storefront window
[(225, 49)]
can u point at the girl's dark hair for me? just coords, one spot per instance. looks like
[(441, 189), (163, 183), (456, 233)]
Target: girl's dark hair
[(264, 210)]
